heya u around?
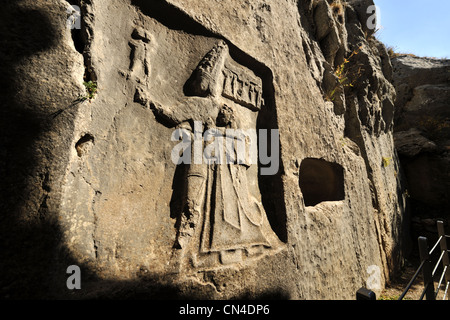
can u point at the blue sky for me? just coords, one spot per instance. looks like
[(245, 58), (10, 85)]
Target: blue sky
[(421, 27)]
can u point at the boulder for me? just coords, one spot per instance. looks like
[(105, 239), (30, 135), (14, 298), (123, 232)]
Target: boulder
[(411, 143)]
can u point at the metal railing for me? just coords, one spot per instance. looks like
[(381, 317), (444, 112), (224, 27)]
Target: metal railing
[(430, 270)]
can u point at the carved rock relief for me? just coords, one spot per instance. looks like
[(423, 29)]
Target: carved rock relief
[(221, 219), (140, 55)]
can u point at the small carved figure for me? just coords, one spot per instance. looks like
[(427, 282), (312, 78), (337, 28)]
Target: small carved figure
[(139, 59)]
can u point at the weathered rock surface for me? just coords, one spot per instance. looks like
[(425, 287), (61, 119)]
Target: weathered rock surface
[(423, 87), (411, 143), (91, 182), (422, 132)]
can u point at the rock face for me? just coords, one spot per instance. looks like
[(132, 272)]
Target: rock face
[(94, 170), (422, 132)]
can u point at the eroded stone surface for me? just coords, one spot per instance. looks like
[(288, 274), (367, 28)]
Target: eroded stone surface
[(422, 132), (136, 221)]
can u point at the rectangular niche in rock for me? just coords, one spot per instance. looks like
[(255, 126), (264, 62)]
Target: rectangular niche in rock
[(321, 181)]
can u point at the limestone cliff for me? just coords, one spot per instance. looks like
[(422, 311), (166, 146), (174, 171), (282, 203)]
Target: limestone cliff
[(422, 135), (88, 121)]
